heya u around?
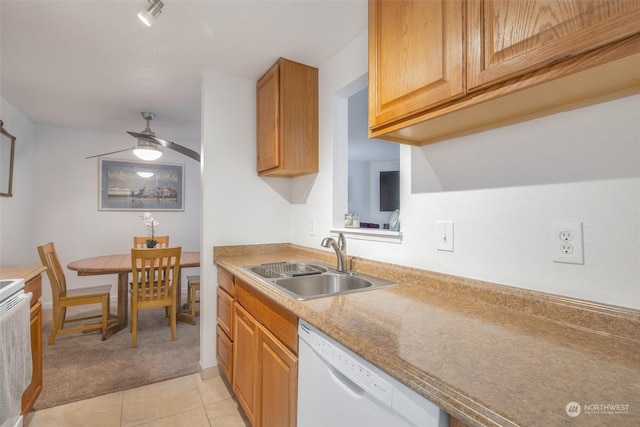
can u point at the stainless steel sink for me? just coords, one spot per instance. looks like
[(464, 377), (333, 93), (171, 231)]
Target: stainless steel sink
[(324, 284), (315, 280), (285, 269)]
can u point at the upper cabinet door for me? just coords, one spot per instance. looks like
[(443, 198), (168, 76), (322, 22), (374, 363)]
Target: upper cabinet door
[(287, 102), (415, 57), (509, 38), (268, 102)]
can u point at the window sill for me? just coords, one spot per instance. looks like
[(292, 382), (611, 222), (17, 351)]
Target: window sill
[(372, 234)]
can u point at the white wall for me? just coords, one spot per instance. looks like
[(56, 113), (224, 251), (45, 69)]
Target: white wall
[(57, 200), (238, 206), (17, 213), (502, 231)]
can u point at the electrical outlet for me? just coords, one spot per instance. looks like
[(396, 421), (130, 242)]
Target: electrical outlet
[(312, 227), (567, 243), (444, 233)]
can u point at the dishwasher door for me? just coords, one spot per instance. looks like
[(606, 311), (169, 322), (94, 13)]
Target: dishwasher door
[(337, 388)]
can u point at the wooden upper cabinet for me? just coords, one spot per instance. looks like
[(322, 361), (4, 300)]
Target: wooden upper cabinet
[(287, 120), (509, 38), (416, 57), (268, 135), (444, 69)]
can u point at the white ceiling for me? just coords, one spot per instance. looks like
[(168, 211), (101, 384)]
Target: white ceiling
[(94, 65)]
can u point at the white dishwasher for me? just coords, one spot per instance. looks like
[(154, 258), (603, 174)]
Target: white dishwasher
[(337, 388)]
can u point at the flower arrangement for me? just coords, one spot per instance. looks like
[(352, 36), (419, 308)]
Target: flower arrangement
[(151, 225)]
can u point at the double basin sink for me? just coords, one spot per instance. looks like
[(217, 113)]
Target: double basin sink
[(305, 281)]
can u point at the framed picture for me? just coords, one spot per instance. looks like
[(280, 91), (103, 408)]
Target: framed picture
[(7, 149), (140, 186)]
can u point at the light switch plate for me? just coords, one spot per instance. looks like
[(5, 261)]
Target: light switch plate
[(444, 234)]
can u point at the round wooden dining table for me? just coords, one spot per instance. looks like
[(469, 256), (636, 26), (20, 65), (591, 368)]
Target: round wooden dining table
[(120, 264)]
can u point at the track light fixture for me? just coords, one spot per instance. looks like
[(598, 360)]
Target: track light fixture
[(149, 15)]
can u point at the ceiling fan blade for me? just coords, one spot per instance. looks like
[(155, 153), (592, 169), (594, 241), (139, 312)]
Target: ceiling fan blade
[(168, 144), (111, 152)]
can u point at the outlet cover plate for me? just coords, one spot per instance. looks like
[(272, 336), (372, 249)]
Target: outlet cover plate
[(567, 243)]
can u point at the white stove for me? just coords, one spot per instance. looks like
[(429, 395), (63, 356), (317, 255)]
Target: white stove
[(11, 293), (10, 290)]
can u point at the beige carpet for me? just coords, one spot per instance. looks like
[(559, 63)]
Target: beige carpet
[(79, 366)]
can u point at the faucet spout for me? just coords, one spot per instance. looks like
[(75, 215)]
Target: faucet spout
[(340, 247)]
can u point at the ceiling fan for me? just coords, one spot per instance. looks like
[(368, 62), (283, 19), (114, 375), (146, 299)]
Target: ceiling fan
[(149, 145)]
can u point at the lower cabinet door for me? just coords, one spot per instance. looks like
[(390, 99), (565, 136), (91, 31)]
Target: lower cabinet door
[(279, 385), (245, 362)]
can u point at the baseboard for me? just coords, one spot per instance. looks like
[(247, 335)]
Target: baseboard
[(208, 373)]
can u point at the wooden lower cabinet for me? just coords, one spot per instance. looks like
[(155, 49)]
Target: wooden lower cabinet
[(279, 382), (245, 362), (32, 392), (225, 297), (265, 363)]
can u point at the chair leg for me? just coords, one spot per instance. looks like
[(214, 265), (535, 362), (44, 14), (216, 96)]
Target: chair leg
[(134, 328), (192, 300), (131, 315), (56, 324), (192, 297), (105, 316), (172, 318)]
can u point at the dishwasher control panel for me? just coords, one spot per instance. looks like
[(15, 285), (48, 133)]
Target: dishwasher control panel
[(347, 365)]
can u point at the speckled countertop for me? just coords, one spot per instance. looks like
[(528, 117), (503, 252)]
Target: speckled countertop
[(485, 353), (26, 272)]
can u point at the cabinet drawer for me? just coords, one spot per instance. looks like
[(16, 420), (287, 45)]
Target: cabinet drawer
[(281, 322), (226, 281), (224, 309), (224, 353)]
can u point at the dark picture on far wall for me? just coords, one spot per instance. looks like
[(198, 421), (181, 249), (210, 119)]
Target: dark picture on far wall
[(389, 191)]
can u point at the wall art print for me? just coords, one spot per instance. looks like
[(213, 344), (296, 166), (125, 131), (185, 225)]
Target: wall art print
[(140, 186)]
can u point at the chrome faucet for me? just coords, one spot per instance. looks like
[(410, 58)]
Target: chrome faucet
[(341, 250)]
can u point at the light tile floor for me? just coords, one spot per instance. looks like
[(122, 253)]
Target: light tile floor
[(185, 401)]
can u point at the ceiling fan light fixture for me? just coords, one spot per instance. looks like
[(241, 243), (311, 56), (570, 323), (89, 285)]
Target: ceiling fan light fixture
[(149, 15), (147, 150)]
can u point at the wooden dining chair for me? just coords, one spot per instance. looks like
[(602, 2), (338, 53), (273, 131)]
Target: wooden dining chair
[(141, 242), (193, 289), (63, 298), (156, 275)]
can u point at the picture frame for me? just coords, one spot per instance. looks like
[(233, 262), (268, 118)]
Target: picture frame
[(126, 185), (7, 152)]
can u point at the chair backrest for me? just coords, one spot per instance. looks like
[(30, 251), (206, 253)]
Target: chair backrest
[(55, 273), (141, 241), (155, 271)]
